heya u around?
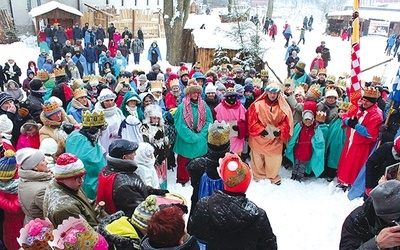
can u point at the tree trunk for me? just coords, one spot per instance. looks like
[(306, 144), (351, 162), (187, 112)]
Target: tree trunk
[(173, 25), (270, 8)]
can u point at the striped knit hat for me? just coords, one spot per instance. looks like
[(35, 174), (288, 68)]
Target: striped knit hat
[(8, 166), (68, 166)]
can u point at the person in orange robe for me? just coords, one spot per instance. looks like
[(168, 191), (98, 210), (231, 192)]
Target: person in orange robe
[(270, 125)]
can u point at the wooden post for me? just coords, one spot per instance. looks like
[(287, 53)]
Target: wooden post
[(133, 23)]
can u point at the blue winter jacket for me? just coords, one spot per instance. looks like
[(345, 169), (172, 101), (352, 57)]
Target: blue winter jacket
[(90, 54)]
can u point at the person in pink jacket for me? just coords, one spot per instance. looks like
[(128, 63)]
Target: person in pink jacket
[(13, 216), (232, 111)]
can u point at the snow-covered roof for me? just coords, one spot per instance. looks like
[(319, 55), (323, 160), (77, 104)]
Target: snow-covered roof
[(391, 16), (209, 39), (47, 7)]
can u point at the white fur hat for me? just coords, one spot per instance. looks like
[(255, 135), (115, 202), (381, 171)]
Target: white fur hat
[(6, 125), (210, 88), (106, 94)]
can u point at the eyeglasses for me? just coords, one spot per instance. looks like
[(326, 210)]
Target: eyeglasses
[(79, 178)]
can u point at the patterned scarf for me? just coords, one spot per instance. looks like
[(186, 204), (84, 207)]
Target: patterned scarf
[(188, 115), (10, 187)]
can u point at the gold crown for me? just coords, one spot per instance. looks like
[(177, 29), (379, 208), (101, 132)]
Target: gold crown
[(80, 93), (85, 78), (257, 82), (344, 105), (230, 90), (157, 84), (315, 91), (346, 75), (102, 79), (314, 72), (93, 119), (52, 76), (289, 81), (197, 65), (342, 84), (264, 72), (218, 133), (50, 107), (236, 66), (335, 88), (320, 116), (42, 75), (304, 86), (59, 72), (224, 66), (376, 79), (174, 82), (331, 78), (299, 90), (123, 80), (371, 92), (322, 71)]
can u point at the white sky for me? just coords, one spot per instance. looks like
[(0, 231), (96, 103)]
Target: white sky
[(305, 215)]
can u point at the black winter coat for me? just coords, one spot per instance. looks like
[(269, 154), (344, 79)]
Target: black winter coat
[(67, 49), (377, 163), (128, 189), (190, 244), (231, 221), (360, 227), (2, 77), (76, 33), (100, 34), (35, 106), (15, 76), (196, 168), (56, 49)]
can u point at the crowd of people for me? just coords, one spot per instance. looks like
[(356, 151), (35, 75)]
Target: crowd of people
[(89, 153)]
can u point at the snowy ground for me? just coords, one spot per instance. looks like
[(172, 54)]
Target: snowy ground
[(306, 215)]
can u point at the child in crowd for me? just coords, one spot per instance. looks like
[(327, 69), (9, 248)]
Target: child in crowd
[(145, 160), (306, 148), (29, 137)]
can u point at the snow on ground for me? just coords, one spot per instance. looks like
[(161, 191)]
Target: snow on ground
[(306, 215)]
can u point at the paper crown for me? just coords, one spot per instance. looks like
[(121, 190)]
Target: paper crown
[(344, 105), (36, 234), (80, 92), (85, 78), (102, 79), (42, 75), (257, 82), (224, 66), (289, 81), (174, 82), (93, 119), (299, 90), (342, 84), (322, 71), (331, 78), (52, 76), (230, 91), (345, 75), (376, 79), (197, 65), (303, 85), (156, 86), (74, 233), (320, 116), (236, 66), (218, 133), (300, 65), (371, 92), (183, 71), (50, 108), (264, 73), (314, 72), (59, 72), (314, 91), (123, 80)]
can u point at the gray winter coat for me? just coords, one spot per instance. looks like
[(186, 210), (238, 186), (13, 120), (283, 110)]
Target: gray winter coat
[(31, 189)]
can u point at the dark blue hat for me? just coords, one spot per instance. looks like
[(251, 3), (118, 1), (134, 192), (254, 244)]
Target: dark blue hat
[(121, 147)]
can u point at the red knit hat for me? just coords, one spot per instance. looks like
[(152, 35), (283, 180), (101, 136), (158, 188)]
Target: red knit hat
[(235, 173), (396, 144), (68, 166)]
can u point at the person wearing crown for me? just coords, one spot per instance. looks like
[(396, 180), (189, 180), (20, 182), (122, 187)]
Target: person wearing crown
[(196, 68), (270, 125), (84, 144), (300, 75), (296, 101), (329, 105), (321, 77), (79, 104), (156, 88), (231, 110), (192, 119), (306, 148), (361, 136)]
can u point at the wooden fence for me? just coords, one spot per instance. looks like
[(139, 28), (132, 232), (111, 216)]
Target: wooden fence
[(7, 31), (152, 23)]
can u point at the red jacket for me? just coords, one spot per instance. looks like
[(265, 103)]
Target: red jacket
[(320, 62), (170, 101)]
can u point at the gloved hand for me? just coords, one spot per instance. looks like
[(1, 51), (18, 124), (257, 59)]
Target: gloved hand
[(67, 127), (235, 128), (352, 122), (264, 133), (23, 112), (158, 191), (277, 133), (383, 128)]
